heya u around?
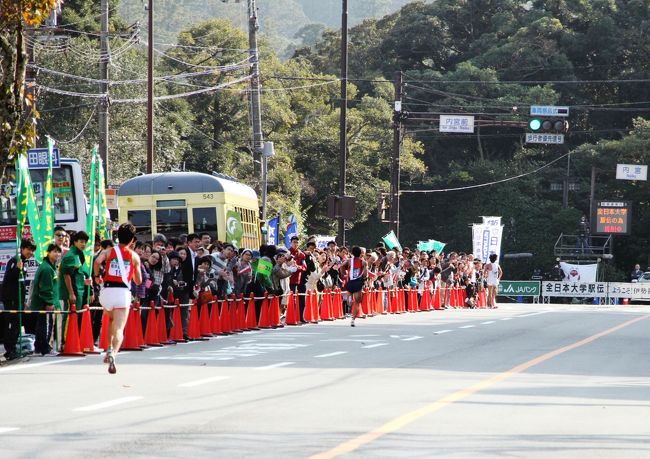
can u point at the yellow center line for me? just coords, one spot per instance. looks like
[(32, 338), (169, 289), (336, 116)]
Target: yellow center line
[(408, 418)]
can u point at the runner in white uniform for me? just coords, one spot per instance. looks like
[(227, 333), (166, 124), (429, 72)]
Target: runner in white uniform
[(493, 274)]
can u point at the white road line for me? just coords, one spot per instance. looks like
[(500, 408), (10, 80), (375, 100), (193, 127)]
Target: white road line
[(197, 357), (370, 346), (153, 348), (535, 314), (199, 382), (108, 404), (506, 318), (362, 336), (20, 366), (248, 341), (488, 322), (412, 338), (275, 365), (7, 429), (331, 354), (468, 326), (440, 332)]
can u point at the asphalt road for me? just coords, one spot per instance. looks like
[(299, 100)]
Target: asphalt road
[(533, 381)]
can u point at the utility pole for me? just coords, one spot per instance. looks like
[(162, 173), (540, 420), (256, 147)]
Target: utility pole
[(150, 94), (565, 188), (397, 146), (103, 75), (343, 143), (256, 105)]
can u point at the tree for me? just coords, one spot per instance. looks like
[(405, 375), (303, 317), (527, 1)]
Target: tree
[(17, 114)]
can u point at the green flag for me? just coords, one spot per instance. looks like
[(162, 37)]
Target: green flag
[(27, 208), (391, 241), (234, 228), (47, 212), (437, 245), (103, 224), (264, 267), (91, 218)]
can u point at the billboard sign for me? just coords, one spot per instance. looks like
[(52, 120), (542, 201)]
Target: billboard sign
[(611, 217)]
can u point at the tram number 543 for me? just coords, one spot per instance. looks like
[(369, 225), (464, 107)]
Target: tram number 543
[(208, 196)]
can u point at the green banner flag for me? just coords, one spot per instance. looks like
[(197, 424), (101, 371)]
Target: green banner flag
[(91, 218), (47, 212), (391, 241), (438, 246), (234, 228), (102, 222), (27, 208), (264, 267), (430, 245)]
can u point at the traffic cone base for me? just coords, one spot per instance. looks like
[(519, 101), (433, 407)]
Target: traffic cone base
[(72, 345)]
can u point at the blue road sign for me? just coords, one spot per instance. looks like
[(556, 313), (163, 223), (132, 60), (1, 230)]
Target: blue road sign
[(37, 158)]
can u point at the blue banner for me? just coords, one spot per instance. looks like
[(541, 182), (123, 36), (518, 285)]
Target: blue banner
[(292, 230), (273, 231)]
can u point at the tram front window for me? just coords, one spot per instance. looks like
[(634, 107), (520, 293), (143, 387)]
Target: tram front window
[(171, 222)]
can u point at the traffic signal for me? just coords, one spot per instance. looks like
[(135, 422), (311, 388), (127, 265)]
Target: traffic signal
[(548, 124), (383, 207)]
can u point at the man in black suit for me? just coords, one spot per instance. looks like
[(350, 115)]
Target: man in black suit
[(189, 269)]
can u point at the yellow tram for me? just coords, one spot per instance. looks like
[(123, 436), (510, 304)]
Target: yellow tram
[(175, 203)]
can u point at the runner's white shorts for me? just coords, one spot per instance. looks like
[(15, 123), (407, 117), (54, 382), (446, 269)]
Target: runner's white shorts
[(115, 298)]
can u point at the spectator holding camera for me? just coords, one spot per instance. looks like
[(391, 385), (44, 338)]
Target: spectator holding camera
[(284, 267), (243, 272), (223, 263)]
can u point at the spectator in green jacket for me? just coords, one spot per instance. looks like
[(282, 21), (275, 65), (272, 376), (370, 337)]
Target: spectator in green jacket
[(45, 295), (75, 283)]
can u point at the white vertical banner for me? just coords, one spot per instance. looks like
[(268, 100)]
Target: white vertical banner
[(492, 221), (486, 240)]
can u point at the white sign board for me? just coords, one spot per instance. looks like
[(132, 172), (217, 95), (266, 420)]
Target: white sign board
[(575, 289), (633, 291), (555, 139), (457, 123), (548, 110), (631, 172)]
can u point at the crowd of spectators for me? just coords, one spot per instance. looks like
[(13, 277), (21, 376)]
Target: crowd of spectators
[(194, 267)]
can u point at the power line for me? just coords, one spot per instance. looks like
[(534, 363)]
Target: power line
[(483, 185)]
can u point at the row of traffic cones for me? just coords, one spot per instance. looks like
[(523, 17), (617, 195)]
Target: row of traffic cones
[(238, 314)]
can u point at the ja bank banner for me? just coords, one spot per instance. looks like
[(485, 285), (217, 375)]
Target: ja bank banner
[(519, 288)]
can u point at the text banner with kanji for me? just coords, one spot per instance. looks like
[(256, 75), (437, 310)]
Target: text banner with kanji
[(611, 217)]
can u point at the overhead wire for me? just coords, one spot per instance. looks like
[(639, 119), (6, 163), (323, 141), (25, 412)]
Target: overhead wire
[(483, 185), (64, 142)]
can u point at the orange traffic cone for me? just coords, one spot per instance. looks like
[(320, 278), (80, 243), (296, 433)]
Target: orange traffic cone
[(326, 306), (72, 344), (307, 314), (275, 312), (86, 337), (204, 321), (241, 313), (177, 326), (233, 315), (130, 342), (339, 312), (251, 314), (225, 317), (194, 327), (139, 333), (215, 320), (291, 317), (265, 313), (151, 332)]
